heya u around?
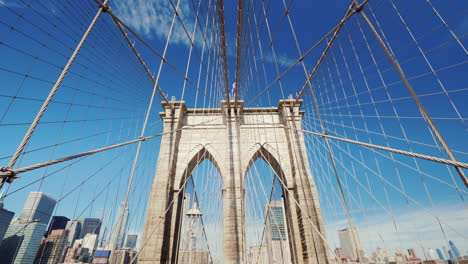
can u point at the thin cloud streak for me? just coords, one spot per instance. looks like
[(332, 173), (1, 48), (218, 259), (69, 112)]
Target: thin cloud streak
[(153, 18)]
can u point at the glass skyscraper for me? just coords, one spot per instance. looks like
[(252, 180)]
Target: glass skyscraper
[(131, 241), (5, 219), (89, 226), (440, 254), (454, 249), (277, 244), (38, 206), (276, 221), (21, 242), (24, 235)]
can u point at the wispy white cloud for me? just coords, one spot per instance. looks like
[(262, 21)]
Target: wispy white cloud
[(153, 18), (282, 60)]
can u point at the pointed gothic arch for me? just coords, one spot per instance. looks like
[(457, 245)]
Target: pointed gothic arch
[(198, 155), (262, 153)]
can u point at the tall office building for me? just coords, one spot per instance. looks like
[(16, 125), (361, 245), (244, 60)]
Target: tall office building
[(24, 235), (276, 233), (123, 212), (54, 247), (5, 219), (21, 242), (350, 242), (455, 251), (450, 254), (38, 206), (57, 223), (74, 228), (440, 254), (89, 226), (131, 241)]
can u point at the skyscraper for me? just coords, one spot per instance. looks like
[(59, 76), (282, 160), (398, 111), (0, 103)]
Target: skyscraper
[(440, 254), (53, 250), (350, 243), (450, 253), (21, 242), (58, 222), (455, 251), (276, 233), (74, 228), (24, 235), (38, 206), (5, 219), (89, 226), (131, 241)]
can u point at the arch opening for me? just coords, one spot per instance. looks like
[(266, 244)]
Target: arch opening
[(267, 236), (200, 210)]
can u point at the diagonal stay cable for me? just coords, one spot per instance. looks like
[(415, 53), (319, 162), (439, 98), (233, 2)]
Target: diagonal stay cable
[(52, 92), (353, 8), (398, 151), (158, 54), (418, 102), (347, 16), (143, 64), (6, 172)]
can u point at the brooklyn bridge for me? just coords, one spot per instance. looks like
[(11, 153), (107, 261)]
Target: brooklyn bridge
[(249, 131)]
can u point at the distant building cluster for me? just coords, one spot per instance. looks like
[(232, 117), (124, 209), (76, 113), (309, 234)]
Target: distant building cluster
[(351, 252), (38, 237)]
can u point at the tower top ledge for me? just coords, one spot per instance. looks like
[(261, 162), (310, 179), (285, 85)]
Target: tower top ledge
[(283, 103)]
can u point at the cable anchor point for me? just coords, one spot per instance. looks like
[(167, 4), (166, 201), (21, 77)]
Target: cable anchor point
[(105, 8), (7, 175)]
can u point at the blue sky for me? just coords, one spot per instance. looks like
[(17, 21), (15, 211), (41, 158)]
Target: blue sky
[(106, 94)]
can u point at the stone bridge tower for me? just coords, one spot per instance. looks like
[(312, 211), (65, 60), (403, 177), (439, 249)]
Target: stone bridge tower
[(233, 141)]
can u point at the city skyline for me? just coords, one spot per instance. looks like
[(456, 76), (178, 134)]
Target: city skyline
[(36, 235)]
